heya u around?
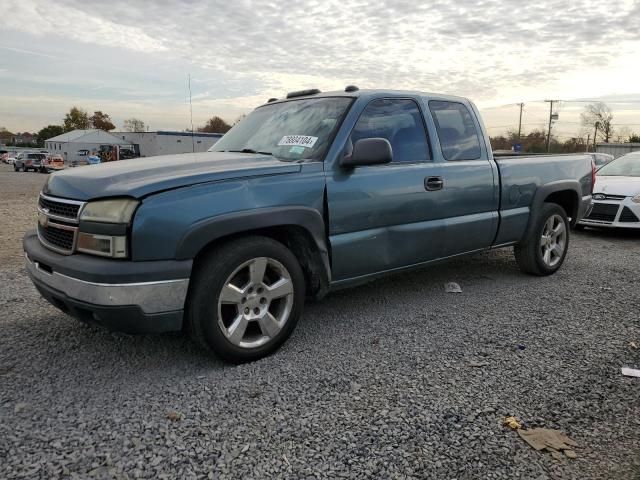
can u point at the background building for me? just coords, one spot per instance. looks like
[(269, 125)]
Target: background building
[(76, 144), (617, 149), (169, 143)]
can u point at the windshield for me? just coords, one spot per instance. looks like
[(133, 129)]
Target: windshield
[(625, 166), (36, 156), (293, 130)]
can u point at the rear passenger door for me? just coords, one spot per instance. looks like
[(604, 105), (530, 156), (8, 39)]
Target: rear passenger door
[(470, 190), (383, 217)]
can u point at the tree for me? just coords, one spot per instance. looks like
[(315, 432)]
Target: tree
[(76, 119), (622, 134), (598, 116), (48, 132), (215, 125), (634, 138), (133, 125), (101, 121), (533, 142)]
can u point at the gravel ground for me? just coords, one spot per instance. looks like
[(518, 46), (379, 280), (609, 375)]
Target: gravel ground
[(396, 379), (18, 196)]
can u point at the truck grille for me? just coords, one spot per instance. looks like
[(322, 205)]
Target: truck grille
[(58, 223), (57, 237), (603, 212), (61, 208), (627, 216)]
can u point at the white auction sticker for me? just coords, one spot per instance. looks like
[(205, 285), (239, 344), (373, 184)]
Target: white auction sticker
[(298, 141)]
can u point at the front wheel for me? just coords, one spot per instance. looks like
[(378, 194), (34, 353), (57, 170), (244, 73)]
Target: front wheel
[(544, 252), (246, 298)]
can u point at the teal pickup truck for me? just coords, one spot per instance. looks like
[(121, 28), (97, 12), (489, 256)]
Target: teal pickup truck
[(310, 193)]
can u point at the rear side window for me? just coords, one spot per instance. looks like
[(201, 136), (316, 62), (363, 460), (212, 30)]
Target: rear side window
[(459, 137), (400, 122)]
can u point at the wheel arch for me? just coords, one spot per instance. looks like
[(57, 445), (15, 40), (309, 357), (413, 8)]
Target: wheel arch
[(301, 229), (564, 193)]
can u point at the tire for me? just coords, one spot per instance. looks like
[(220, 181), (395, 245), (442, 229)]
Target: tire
[(15, 169), (236, 325), (549, 234)]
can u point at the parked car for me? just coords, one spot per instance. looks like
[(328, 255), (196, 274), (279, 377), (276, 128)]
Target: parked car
[(616, 194), (4, 156), (306, 194), (11, 160), (28, 161), (53, 163), (600, 159)]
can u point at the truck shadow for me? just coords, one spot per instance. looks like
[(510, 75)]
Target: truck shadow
[(112, 358)]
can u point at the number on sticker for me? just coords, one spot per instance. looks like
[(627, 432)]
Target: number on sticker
[(298, 141)]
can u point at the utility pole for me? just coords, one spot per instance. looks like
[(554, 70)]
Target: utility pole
[(520, 122), (551, 102), (588, 141), (595, 134)]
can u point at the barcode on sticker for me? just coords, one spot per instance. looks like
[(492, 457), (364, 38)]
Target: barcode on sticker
[(298, 141)]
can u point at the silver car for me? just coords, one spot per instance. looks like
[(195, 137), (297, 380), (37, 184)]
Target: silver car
[(28, 161)]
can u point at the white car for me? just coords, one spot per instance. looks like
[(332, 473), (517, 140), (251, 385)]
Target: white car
[(616, 194)]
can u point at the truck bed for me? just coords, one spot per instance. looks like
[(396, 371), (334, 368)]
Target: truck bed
[(524, 179)]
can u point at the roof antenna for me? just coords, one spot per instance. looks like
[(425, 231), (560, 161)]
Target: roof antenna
[(193, 143)]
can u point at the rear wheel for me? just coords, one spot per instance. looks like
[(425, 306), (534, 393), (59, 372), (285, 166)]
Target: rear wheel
[(544, 252), (246, 298)]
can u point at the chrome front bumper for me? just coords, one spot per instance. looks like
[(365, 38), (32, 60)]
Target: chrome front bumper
[(151, 297)]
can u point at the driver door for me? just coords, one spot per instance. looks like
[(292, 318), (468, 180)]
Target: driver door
[(385, 217)]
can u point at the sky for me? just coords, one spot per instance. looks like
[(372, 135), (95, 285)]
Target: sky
[(132, 58)]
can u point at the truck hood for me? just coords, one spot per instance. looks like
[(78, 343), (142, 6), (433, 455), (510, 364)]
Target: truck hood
[(142, 176), (627, 186)]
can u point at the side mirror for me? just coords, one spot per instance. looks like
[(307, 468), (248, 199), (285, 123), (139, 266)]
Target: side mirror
[(368, 151)]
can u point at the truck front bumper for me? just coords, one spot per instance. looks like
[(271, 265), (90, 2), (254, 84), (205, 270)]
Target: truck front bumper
[(126, 296)]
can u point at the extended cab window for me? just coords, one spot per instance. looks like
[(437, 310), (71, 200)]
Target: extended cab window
[(459, 138), (400, 122)]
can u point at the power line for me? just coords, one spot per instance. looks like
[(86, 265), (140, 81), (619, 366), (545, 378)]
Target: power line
[(601, 101), (524, 125)]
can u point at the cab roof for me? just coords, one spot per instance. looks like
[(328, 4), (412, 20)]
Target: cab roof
[(368, 93)]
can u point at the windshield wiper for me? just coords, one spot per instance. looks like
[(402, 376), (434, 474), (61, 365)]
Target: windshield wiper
[(249, 150)]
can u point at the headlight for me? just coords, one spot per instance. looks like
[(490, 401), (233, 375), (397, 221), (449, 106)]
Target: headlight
[(109, 211), (636, 199), (103, 227)]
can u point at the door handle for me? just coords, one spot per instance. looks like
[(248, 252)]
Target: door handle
[(433, 183)]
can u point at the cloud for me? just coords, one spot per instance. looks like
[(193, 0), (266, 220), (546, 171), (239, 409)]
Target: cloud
[(240, 51)]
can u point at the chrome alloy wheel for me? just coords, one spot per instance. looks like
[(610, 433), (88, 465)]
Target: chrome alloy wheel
[(553, 240), (255, 302)]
